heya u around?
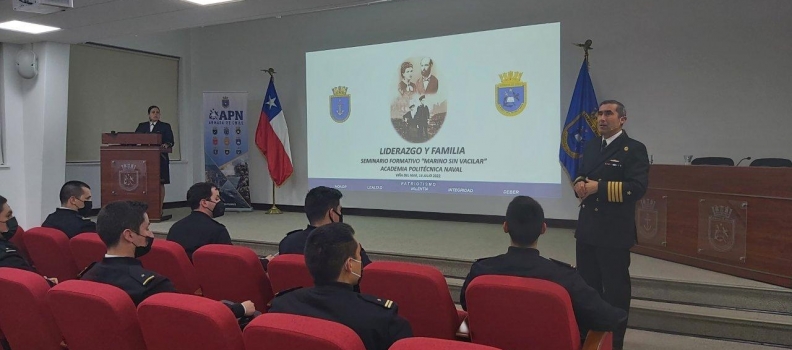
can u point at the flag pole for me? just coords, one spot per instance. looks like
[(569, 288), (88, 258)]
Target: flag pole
[(274, 209)]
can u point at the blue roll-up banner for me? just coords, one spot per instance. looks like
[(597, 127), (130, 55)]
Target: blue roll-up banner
[(226, 146)]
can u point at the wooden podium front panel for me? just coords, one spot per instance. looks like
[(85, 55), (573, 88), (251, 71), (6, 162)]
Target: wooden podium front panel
[(132, 173), (768, 235)]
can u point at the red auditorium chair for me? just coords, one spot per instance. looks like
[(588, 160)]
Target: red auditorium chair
[(227, 272), (419, 343), (293, 332), (173, 321), (49, 249), (87, 248), (518, 313), (288, 271), (27, 321), (19, 242), (420, 291), (95, 316), (170, 260)]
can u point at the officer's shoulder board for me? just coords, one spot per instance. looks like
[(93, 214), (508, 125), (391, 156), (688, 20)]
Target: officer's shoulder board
[(295, 231), (86, 269), (563, 264), (286, 291), (385, 303), (142, 276)]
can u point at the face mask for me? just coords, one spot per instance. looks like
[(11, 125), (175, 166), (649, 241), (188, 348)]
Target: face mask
[(140, 251), (12, 228), (360, 276), (219, 209), (85, 211), (340, 217)]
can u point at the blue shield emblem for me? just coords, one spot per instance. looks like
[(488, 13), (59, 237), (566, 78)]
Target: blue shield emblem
[(225, 130), (214, 151), (226, 102), (239, 151), (239, 142), (511, 94), (340, 104), (214, 130), (228, 151)]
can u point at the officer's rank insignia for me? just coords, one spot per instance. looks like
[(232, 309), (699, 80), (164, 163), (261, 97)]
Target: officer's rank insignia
[(340, 104), (511, 94)]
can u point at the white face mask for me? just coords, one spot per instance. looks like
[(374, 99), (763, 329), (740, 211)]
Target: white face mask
[(361, 266)]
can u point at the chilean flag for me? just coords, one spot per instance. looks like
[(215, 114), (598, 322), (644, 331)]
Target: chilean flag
[(272, 137)]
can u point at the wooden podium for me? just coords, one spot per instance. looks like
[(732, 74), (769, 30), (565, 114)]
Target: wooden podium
[(734, 220), (131, 169)]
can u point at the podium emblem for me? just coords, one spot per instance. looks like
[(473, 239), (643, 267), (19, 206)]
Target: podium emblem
[(647, 218), (721, 228), (128, 177)]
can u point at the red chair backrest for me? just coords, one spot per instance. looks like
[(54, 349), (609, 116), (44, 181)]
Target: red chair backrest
[(233, 273), (170, 260), (285, 331), (19, 242), (87, 248), (419, 343), (173, 321), (518, 313), (49, 249), (26, 319), (288, 271), (420, 291), (95, 316)]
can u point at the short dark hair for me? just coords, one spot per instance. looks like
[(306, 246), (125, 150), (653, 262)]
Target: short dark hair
[(3, 201), (197, 192), (524, 217), (327, 249), (72, 189), (152, 107), (319, 200), (404, 66), (620, 110), (118, 216)]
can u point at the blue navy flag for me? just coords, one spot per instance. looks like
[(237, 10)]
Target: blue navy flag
[(581, 123)]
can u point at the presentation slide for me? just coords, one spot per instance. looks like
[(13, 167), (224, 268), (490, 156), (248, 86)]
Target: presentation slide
[(476, 113)]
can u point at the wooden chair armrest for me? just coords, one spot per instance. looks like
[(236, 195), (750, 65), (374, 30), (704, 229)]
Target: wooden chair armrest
[(598, 341)]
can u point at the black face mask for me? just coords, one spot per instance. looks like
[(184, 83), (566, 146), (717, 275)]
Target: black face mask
[(140, 251), (12, 228), (340, 217), (85, 211), (219, 209)]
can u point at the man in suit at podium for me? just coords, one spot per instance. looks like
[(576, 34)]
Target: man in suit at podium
[(612, 177), (156, 126)]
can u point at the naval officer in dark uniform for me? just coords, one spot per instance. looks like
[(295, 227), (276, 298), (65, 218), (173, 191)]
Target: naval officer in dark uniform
[(524, 224), (322, 207), (124, 228), (612, 177), (333, 258), (9, 253), (156, 126), (200, 228), (71, 217)]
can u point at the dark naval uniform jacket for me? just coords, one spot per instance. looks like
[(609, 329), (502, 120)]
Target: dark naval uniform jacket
[(294, 243), (607, 218), (129, 275), (197, 230), (591, 312), (375, 320), (167, 138), (10, 256), (70, 222)]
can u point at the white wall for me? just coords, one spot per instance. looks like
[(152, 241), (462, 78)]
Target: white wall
[(708, 77), (35, 112)]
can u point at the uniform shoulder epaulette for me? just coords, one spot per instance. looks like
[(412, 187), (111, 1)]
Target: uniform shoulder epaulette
[(86, 269), (142, 276), (294, 231), (286, 291), (385, 303), (562, 263)]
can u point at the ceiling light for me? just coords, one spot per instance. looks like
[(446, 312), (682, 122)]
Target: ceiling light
[(27, 27), (210, 2)]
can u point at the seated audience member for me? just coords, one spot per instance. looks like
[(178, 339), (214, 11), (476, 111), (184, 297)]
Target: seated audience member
[(322, 207), (334, 259), (9, 254), (124, 228), (524, 224), (75, 197), (199, 228)]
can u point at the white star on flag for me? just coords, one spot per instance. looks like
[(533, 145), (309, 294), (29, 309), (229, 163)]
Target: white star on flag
[(271, 102)]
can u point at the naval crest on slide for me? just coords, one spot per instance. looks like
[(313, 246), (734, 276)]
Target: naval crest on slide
[(340, 104), (511, 94)]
